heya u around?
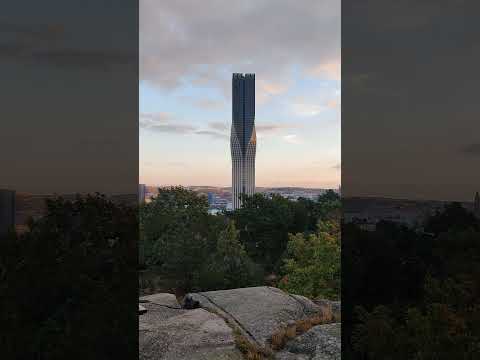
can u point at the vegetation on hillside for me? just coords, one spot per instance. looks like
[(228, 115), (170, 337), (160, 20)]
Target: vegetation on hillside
[(69, 284), (423, 304), (198, 251), (312, 263)]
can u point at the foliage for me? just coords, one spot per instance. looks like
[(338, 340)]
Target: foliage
[(195, 250), (229, 266), (198, 251), (69, 283), (175, 213), (312, 264), (426, 305), (265, 222)]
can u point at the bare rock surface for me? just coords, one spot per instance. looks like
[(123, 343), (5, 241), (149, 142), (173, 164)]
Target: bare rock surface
[(322, 342), (169, 333), (201, 329), (164, 299), (285, 355), (257, 311)]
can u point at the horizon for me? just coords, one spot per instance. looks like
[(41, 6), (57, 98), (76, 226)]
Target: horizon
[(229, 186)]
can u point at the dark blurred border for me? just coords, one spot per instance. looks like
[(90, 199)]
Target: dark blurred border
[(410, 175), (69, 179)]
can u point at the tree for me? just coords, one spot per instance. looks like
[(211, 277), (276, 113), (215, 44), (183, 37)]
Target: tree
[(264, 224), (175, 212), (194, 250), (230, 267), (312, 264)]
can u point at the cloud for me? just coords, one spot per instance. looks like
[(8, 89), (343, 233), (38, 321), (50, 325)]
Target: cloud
[(221, 129), (166, 123), (266, 89), (214, 134), (148, 119), (303, 108), (272, 128), (327, 70), (184, 42), (172, 128), (218, 125), (163, 122), (292, 139), (333, 103)]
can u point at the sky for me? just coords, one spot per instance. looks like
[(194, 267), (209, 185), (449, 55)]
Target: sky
[(188, 51)]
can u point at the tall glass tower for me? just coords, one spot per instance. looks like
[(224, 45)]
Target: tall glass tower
[(243, 139)]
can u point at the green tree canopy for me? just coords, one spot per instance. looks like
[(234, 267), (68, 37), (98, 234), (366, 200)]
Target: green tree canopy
[(312, 264)]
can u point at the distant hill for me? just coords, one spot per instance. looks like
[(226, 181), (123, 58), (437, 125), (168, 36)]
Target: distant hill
[(374, 209)]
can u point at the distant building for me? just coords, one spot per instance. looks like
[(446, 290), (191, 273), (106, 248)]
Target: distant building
[(211, 198), (243, 139), (214, 211), (142, 190), (7, 211)]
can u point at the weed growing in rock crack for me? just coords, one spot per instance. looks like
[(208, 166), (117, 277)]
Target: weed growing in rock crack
[(249, 350), (299, 327)]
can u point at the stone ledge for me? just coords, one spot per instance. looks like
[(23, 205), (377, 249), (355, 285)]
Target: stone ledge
[(322, 342), (256, 311)]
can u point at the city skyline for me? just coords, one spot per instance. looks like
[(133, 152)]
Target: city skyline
[(186, 63)]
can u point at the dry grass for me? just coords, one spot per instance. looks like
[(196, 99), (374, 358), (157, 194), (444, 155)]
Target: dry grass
[(279, 339), (303, 326), (291, 331), (249, 350), (286, 333)]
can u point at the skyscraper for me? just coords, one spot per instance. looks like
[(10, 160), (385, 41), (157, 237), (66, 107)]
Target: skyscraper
[(243, 139)]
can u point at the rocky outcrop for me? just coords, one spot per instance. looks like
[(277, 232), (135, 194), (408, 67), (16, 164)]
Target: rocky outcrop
[(203, 327), (162, 299), (257, 311), (168, 332), (322, 342)]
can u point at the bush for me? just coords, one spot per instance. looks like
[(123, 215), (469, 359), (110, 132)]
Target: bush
[(312, 264), (229, 266)]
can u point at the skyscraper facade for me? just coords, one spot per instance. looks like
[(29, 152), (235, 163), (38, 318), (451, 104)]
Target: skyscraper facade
[(243, 139)]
